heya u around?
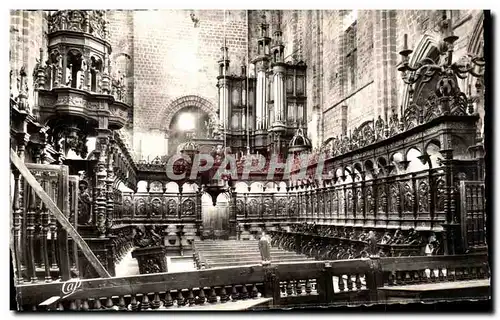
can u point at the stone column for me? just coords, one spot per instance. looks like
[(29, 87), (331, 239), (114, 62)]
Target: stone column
[(385, 58)]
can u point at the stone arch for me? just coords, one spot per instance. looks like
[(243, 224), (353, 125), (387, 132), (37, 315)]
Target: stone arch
[(425, 46), (475, 43), (187, 101)]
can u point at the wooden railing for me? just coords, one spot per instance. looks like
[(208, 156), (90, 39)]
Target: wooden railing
[(353, 282), (45, 243)]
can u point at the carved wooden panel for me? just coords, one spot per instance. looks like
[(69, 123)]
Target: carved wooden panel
[(128, 207), (370, 201), (240, 207), (293, 207), (268, 206), (439, 194), (156, 210), (253, 207), (188, 207), (393, 198), (381, 199), (407, 197), (423, 196), (335, 208), (359, 204), (171, 207), (281, 206), (141, 206)]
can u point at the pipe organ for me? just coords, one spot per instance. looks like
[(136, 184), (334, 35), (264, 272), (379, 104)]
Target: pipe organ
[(266, 109)]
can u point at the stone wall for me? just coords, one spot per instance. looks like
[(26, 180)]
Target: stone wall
[(317, 37), (28, 31)]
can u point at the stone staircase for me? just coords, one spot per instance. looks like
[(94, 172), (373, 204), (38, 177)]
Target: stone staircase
[(230, 253)]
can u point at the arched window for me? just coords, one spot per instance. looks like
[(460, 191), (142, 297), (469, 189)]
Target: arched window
[(74, 65), (423, 90)]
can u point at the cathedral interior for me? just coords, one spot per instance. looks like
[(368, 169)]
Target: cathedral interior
[(379, 114)]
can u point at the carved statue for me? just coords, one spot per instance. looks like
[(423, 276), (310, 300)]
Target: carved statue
[(433, 245), (414, 237), (147, 237), (386, 238), (398, 237), (151, 266), (372, 243), (127, 207), (265, 248), (68, 77)]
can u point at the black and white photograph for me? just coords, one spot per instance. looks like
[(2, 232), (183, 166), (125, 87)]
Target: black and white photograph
[(248, 159)]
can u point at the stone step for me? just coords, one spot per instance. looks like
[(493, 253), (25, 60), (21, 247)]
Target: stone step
[(253, 261), (207, 242), (233, 263), (238, 253), (235, 250), (257, 259), (228, 245), (247, 255)]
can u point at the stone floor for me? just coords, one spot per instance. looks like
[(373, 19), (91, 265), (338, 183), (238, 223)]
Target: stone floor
[(128, 266)]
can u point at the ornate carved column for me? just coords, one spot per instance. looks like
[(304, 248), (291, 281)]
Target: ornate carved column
[(199, 218), (361, 202), (105, 78), (17, 223), (100, 189), (179, 204), (223, 90), (109, 184), (451, 227), (232, 213)]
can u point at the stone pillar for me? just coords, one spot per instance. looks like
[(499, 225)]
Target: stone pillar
[(343, 119), (385, 58)]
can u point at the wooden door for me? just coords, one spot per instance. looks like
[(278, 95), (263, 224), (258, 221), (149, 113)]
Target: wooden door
[(215, 218)]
